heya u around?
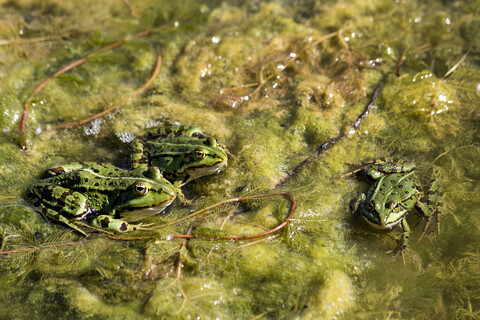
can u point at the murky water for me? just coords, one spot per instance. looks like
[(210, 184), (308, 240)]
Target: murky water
[(273, 81)]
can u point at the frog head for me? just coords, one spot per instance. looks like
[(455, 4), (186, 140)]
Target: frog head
[(388, 201), (203, 159), (383, 215), (145, 196)]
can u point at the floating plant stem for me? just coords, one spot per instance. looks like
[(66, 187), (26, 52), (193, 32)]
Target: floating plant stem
[(28, 40), (449, 72), (33, 248)]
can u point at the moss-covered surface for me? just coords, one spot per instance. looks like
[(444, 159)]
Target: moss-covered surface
[(325, 264)]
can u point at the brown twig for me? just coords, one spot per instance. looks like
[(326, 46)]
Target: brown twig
[(130, 8), (39, 87), (400, 63), (179, 266), (345, 45), (131, 96), (247, 237), (333, 140), (232, 200)]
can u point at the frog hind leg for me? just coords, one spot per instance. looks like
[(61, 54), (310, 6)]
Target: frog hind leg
[(115, 225), (375, 169), (403, 242), (59, 204), (65, 168), (432, 209), (362, 166)]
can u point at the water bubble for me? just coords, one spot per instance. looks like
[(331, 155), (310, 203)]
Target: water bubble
[(125, 136)]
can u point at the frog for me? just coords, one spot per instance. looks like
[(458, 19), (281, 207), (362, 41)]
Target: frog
[(105, 196), (183, 153), (395, 191)]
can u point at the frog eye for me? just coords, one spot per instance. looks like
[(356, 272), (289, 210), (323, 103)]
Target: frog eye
[(199, 154), (370, 206), (140, 189)]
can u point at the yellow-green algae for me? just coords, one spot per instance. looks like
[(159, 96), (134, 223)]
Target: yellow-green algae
[(325, 264)]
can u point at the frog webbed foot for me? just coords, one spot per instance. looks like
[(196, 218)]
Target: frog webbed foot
[(181, 196), (401, 250), (186, 202)]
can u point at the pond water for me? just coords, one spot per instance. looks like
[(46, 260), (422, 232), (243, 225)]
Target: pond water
[(273, 81)]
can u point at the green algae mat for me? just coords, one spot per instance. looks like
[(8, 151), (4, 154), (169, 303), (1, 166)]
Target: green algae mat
[(274, 81)]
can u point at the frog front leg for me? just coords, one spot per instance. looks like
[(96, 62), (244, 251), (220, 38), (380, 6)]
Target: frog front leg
[(138, 158), (116, 225), (355, 204), (432, 208), (180, 195)]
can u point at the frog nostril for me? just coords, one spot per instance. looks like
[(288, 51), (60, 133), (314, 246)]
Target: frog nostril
[(393, 205)]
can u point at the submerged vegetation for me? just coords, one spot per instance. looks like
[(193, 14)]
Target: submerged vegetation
[(274, 81)]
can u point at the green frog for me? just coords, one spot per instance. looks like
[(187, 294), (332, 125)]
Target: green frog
[(102, 194), (395, 191), (183, 153)]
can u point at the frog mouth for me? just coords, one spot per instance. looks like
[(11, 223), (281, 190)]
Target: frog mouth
[(382, 225), (200, 171), (136, 214)]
